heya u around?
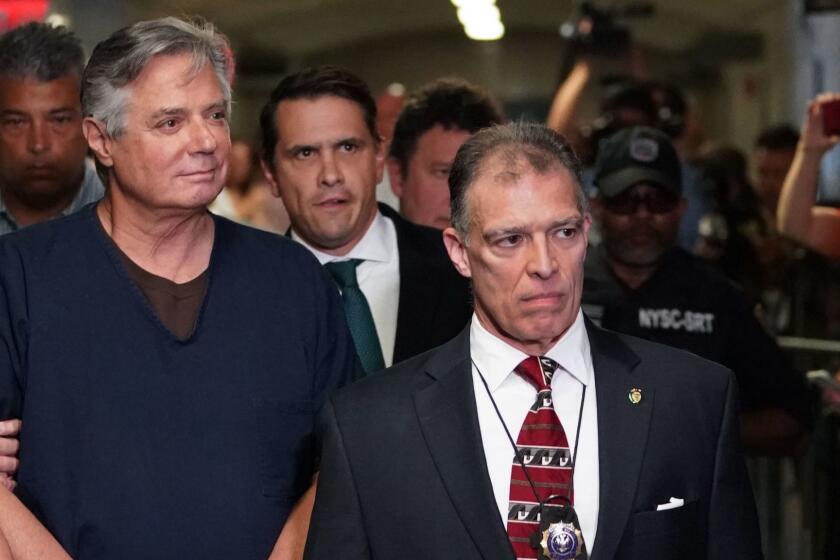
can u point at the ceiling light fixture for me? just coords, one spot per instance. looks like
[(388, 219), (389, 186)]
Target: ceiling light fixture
[(481, 19)]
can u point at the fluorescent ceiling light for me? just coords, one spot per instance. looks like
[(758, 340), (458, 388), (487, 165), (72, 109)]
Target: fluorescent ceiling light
[(485, 31), (471, 3), (479, 15)]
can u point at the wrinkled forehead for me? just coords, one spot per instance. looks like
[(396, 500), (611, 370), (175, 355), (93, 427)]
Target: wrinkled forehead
[(505, 179), (508, 164)]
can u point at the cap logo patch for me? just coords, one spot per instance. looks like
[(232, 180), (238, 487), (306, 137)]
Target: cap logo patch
[(644, 150)]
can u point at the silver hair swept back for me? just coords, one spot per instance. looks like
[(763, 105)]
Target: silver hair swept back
[(119, 60)]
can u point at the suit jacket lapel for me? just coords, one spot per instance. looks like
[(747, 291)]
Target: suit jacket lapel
[(447, 415), (622, 434)]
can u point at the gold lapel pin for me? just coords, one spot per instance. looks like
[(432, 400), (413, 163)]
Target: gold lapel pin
[(635, 395)]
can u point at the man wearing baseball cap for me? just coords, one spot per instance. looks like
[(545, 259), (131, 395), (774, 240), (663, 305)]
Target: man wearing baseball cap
[(639, 282)]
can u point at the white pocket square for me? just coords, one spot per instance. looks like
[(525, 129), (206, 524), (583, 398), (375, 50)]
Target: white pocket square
[(673, 503)]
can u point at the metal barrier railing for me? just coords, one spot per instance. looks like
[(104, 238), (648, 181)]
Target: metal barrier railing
[(799, 498)]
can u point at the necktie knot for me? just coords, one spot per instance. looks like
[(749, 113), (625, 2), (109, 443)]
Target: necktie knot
[(537, 370), (344, 272)]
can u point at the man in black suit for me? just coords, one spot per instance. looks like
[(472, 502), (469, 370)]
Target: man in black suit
[(421, 462), (323, 156)]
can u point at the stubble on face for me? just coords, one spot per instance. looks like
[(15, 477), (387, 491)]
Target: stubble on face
[(326, 169), (42, 149)]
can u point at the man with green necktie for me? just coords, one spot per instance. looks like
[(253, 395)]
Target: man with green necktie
[(323, 156)]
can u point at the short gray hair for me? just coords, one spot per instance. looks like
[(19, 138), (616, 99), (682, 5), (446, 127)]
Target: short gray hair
[(539, 147), (40, 51), (119, 59)]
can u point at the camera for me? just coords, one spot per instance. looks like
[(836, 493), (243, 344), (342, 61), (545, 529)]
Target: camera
[(596, 30)]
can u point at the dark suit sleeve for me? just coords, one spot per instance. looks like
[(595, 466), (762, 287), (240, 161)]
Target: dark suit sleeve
[(733, 522), (336, 529)]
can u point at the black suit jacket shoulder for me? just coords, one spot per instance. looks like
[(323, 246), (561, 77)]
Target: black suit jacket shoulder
[(434, 303), (404, 473)]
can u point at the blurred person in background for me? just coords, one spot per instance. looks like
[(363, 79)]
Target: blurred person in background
[(775, 148), (43, 170), (434, 122), (633, 100), (323, 156), (232, 202), (798, 216), (734, 236), (639, 282), (247, 197)]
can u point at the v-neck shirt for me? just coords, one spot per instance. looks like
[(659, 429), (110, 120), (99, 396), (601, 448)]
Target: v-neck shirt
[(138, 444), (176, 305)]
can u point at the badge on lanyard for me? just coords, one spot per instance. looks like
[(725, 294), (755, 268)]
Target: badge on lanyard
[(559, 536)]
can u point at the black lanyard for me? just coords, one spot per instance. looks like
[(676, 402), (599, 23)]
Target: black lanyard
[(516, 453)]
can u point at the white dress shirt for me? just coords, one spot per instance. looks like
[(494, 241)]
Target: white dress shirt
[(378, 276), (514, 396)]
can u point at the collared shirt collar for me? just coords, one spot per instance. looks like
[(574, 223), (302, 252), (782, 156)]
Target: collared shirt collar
[(373, 246), (496, 359)]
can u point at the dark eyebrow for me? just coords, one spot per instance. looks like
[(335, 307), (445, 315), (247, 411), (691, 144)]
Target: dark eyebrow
[(573, 221), (298, 147), (350, 140), (64, 110)]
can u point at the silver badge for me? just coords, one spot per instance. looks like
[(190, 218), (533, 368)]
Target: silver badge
[(562, 541)]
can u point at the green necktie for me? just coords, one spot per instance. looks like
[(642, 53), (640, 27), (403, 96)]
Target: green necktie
[(358, 314)]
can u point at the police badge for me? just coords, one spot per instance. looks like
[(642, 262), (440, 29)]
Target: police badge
[(559, 536), (562, 541)]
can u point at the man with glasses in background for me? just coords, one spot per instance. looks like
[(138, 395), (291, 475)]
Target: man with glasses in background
[(639, 282)]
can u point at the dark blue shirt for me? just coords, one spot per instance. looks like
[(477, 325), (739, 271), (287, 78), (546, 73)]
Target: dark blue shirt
[(685, 304), (138, 445)]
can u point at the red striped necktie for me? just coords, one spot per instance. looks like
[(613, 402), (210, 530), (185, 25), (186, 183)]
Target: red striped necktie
[(544, 449)]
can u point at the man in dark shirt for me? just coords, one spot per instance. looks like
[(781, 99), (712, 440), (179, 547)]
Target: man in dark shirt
[(167, 364), (638, 282)]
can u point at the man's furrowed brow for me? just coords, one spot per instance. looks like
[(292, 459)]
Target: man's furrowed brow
[(220, 104), (168, 112), (504, 231), (571, 221)]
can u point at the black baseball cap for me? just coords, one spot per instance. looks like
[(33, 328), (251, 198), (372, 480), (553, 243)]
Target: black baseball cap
[(638, 154)]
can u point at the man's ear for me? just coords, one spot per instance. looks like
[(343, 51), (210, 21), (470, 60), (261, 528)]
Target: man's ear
[(457, 250), (395, 176), (268, 173), (98, 140)]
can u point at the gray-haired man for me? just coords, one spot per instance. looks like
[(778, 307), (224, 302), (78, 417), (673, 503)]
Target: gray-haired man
[(148, 430), (42, 151)]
